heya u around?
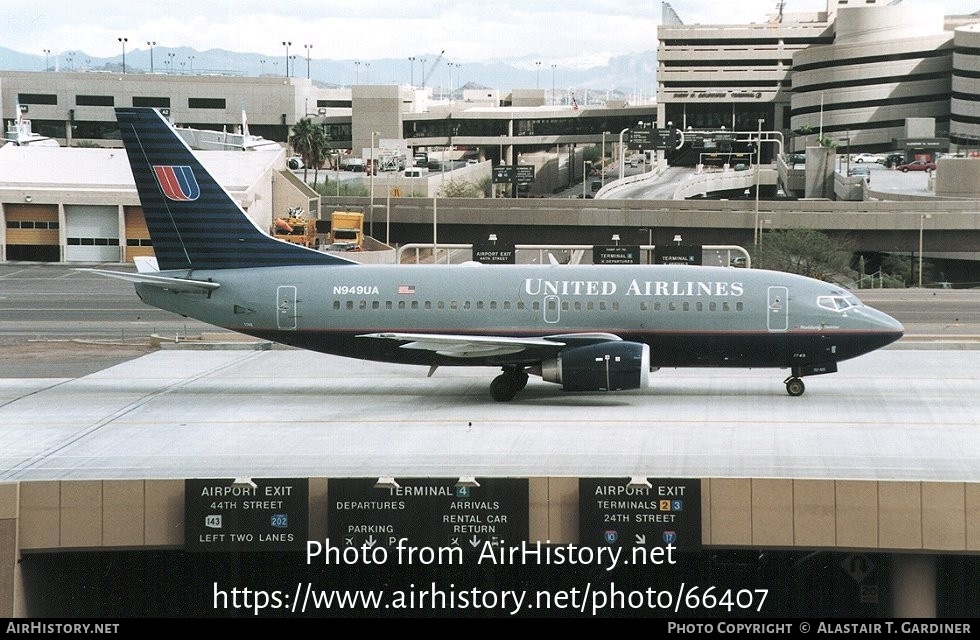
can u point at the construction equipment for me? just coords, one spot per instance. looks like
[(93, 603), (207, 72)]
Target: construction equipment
[(435, 63), (346, 229), (296, 227)]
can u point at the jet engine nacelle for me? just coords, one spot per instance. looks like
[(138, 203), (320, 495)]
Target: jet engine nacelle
[(606, 366)]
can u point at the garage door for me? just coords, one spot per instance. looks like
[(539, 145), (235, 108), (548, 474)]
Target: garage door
[(137, 236), (32, 232), (92, 233)]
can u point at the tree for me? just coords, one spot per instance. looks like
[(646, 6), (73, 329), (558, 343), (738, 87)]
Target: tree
[(807, 252), (307, 141)]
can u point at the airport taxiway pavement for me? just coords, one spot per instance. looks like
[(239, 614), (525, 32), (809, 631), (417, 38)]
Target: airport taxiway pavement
[(895, 414)]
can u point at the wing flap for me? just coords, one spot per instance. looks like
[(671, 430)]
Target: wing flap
[(468, 346)]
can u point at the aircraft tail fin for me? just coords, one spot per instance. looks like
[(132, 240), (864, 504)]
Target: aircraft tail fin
[(193, 222)]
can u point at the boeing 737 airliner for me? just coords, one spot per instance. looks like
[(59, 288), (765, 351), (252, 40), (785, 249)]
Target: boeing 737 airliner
[(585, 327)]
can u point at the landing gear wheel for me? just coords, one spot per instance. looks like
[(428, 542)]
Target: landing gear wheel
[(503, 388), (795, 386), (520, 379)]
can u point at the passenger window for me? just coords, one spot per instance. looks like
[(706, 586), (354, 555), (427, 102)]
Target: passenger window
[(401, 304), (388, 304), (687, 306), (699, 306), (415, 304), (350, 305), (336, 305), (376, 304), (712, 306), (738, 306)]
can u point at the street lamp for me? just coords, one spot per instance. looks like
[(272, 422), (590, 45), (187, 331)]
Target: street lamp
[(190, 64), (170, 62), (151, 44), (374, 135), (537, 79), (367, 73), (307, 47), (758, 157), (292, 69), (357, 72), (123, 42), (622, 156), (553, 84), (286, 44), (47, 52), (411, 72), (602, 160), (922, 218)]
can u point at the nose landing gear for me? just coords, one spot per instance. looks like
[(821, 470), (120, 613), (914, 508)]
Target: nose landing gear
[(794, 386)]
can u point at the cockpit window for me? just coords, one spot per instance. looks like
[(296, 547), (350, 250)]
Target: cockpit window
[(841, 302)]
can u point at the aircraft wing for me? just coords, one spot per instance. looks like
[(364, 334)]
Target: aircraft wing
[(470, 346), (171, 284)]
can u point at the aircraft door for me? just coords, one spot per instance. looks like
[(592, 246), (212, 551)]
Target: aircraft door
[(777, 315), (286, 307), (552, 309)]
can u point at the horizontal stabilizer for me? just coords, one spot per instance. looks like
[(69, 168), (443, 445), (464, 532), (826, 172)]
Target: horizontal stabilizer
[(171, 284)]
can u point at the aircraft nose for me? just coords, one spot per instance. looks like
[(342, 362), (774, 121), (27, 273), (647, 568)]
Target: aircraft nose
[(887, 324)]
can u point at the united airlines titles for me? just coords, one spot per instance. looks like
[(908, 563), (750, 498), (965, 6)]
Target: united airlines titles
[(540, 286)]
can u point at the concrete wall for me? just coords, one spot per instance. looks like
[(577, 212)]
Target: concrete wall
[(736, 512)]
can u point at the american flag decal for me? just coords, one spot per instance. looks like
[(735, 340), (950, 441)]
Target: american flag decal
[(177, 182), (406, 289)]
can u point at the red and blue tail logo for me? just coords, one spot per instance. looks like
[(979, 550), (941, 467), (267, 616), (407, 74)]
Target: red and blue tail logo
[(177, 182)]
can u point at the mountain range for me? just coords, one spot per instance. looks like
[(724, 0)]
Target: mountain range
[(629, 77)]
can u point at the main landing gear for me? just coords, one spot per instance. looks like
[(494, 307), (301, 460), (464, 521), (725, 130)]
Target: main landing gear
[(794, 386), (505, 386)]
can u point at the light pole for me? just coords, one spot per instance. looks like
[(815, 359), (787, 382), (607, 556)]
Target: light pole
[(553, 84), (537, 79), (286, 44), (307, 47), (602, 160), (411, 70), (374, 135), (171, 61), (622, 156), (758, 157), (357, 72), (922, 218), (123, 42), (367, 73), (190, 64), (151, 44), (47, 52), (292, 69)]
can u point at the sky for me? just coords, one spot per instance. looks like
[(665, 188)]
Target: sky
[(576, 33)]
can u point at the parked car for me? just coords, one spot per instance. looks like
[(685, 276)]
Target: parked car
[(893, 159), (860, 172), (864, 157), (797, 158), (917, 165)]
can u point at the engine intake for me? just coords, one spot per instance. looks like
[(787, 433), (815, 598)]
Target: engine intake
[(606, 366)]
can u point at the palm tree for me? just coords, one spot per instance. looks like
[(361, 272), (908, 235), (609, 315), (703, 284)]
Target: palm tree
[(321, 151), (304, 141)]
